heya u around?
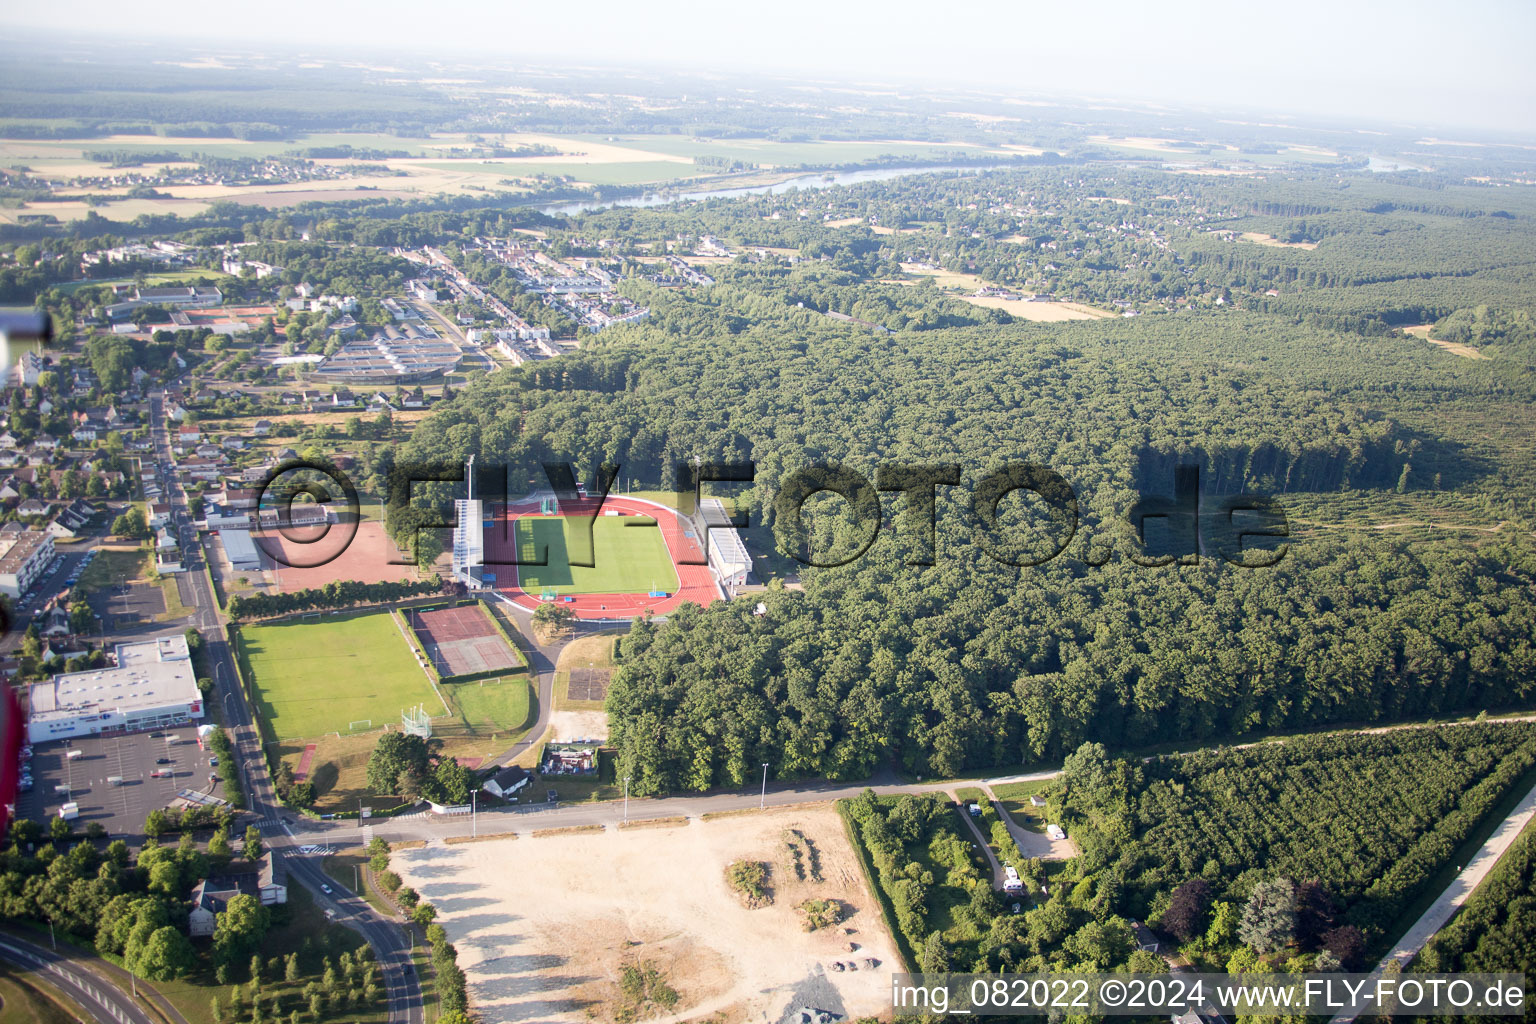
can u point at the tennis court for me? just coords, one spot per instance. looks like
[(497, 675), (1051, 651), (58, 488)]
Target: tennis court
[(462, 641)]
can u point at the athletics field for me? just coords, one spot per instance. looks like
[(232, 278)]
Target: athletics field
[(630, 558)]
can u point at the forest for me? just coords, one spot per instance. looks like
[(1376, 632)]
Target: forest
[(1247, 858), (970, 663), (1297, 807)]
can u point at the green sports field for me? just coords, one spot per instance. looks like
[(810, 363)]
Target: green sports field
[(317, 676), (630, 559)]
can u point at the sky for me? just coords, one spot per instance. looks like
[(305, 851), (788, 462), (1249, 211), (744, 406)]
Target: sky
[(1409, 61)]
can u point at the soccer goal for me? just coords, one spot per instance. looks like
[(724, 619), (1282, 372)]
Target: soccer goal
[(361, 725)]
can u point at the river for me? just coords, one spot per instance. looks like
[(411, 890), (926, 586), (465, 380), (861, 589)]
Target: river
[(814, 179)]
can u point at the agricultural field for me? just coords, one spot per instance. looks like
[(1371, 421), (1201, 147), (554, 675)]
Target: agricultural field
[(332, 674), (626, 559)]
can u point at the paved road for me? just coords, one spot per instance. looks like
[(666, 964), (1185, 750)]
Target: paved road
[(391, 944), (1459, 891), (104, 1001)]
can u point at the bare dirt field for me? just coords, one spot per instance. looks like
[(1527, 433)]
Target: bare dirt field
[(1046, 312), (1456, 348), (578, 725), (545, 925), (1271, 240), (366, 559)]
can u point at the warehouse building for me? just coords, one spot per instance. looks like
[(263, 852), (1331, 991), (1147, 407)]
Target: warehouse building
[(152, 686)]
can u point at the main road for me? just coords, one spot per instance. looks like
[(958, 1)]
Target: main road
[(391, 944), (102, 999)]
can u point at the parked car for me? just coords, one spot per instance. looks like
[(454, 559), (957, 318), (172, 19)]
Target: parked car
[(164, 760)]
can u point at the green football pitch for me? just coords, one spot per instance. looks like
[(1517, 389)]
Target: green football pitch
[(330, 674), (630, 558)]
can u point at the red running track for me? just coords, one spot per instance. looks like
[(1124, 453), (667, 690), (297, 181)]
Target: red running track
[(695, 582)]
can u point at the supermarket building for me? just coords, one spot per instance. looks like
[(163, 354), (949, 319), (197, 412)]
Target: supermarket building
[(152, 686)]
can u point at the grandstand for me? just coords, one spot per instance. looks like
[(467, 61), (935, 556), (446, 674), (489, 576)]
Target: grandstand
[(728, 556), (469, 536)]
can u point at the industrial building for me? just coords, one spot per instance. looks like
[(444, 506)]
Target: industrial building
[(152, 686), (393, 355)]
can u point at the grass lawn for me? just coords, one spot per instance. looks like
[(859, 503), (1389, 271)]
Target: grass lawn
[(112, 565), (488, 708), (478, 726), (346, 867), (1014, 799), (302, 928), (174, 609), (313, 677), (27, 998), (629, 559)]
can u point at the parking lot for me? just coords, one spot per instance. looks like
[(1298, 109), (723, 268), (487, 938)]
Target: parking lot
[(120, 808)]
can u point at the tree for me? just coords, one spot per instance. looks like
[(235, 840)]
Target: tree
[(933, 958), (59, 829), (252, 848), (81, 618), (291, 967), (1346, 943), (239, 929), (1187, 908), (166, 955), (131, 524), (1314, 911), (218, 844), (423, 914), (1269, 917), (156, 823), (395, 754)]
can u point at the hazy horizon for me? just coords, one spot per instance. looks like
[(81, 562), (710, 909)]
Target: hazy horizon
[(1418, 65)]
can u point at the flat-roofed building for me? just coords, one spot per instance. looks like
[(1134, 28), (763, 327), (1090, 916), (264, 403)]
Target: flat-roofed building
[(152, 686), (23, 557)]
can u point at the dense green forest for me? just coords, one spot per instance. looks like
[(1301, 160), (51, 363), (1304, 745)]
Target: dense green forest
[(1196, 846), (970, 662), (1297, 808)]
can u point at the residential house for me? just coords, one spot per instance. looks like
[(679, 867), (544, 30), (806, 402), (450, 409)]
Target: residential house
[(507, 782), (32, 507), (261, 428)]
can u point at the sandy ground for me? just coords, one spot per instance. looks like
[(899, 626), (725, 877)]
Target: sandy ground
[(578, 725), (1047, 312), (544, 925), (1456, 348), (365, 558), (1271, 240)]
